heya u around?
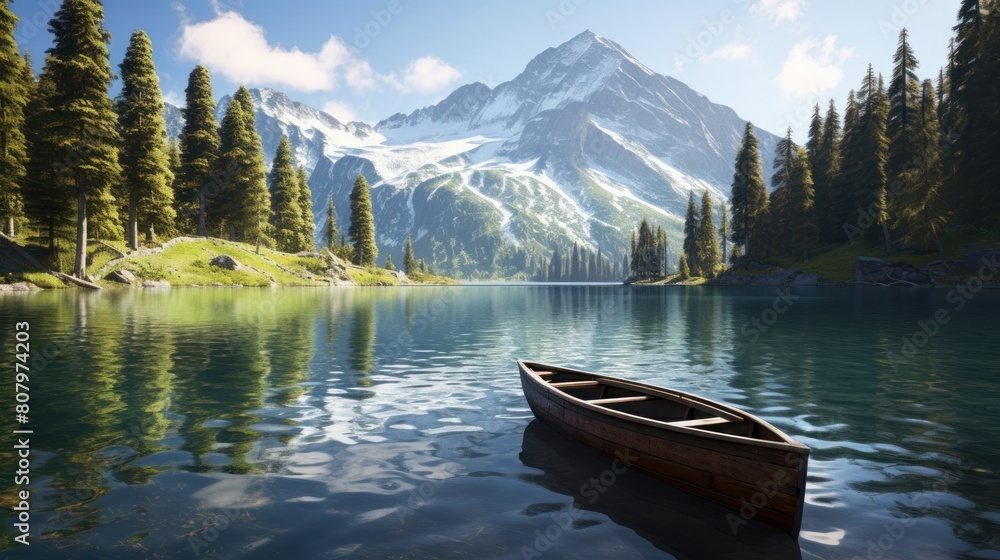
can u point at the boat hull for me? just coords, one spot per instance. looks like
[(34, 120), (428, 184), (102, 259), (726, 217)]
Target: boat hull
[(757, 482)]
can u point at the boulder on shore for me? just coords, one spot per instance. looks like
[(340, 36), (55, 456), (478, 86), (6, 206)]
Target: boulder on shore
[(878, 271), (976, 260), (226, 262), (121, 276), (156, 284)]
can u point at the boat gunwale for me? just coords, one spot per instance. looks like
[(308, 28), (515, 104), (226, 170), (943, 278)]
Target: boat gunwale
[(787, 443)]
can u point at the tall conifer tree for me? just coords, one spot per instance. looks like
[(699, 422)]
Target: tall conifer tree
[(692, 227), (83, 120), (14, 92), (286, 215), (749, 196), (146, 176), (308, 219), (362, 228), (708, 243), (199, 151)]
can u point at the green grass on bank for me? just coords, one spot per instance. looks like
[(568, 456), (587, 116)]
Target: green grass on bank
[(187, 264), (372, 276), (425, 278)]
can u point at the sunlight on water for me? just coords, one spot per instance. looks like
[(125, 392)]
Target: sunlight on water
[(369, 423)]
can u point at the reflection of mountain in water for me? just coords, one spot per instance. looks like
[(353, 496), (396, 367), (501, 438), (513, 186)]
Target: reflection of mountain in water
[(672, 520)]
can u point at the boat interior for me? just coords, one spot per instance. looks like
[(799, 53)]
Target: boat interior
[(672, 409)]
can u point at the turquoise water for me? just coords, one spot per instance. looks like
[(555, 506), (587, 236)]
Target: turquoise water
[(389, 423)]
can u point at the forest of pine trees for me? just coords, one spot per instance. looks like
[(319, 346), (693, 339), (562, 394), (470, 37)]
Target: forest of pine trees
[(909, 160), (76, 165)]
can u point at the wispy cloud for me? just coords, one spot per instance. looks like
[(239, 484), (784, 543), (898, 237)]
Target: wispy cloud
[(813, 66), (239, 50), (734, 50), (777, 11)]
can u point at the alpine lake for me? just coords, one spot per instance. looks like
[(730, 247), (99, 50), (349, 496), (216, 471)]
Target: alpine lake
[(390, 423)]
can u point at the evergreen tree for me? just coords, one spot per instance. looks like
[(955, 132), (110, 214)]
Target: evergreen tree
[(801, 216), (922, 210), (199, 151), (865, 152), (409, 263), (82, 115), (146, 176), (662, 251), (825, 170), (388, 263), (708, 243), (14, 92), (724, 231), (574, 267), (174, 158), (977, 95), (749, 196), (904, 94), (286, 215), (330, 232), (784, 163), (692, 226), (362, 229), (308, 219), (245, 202), (815, 141), (555, 267), (45, 190), (682, 265)]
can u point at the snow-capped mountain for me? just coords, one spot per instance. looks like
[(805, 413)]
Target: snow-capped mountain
[(577, 148)]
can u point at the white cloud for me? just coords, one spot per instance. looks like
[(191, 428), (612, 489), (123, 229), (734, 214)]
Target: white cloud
[(813, 67), (238, 49), (735, 50), (778, 11), (341, 111), (424, 75), (174, 98)]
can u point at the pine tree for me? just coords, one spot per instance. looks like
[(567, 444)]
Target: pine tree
[(146, 176), (574, 267), (708, 243), (409, 263), (784, 164), (45, 190), (922, 210), (750, 199), (801, 216), (815, 141), (286, 215), (692, 225), (244, 202), (682, 265), (904, 94), (199, 151), (825, 171), (174, 158), (14, 92), (330, 232), (308, 219), (977, 95), (388, 263), (724, 232), (82, 115), (362, 228)]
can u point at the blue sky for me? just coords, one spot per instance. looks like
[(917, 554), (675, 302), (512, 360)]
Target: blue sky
[(770, 60)]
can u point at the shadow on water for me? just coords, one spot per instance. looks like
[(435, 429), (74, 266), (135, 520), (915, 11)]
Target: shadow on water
[(672, 520)]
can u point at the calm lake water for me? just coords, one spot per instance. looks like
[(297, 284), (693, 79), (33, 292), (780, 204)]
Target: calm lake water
[(390, 423)]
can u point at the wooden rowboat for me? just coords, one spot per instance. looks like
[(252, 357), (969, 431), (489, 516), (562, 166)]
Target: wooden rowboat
[(697, 444)]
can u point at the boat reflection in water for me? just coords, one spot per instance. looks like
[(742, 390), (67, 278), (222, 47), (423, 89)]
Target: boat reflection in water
[(675, 521)]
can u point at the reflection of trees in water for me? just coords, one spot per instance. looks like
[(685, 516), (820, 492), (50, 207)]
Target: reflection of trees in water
[(76, 407), (362, 337), (290, 350)]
